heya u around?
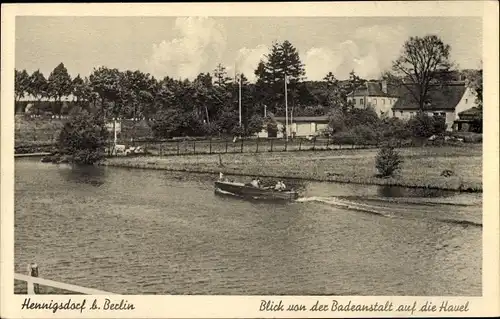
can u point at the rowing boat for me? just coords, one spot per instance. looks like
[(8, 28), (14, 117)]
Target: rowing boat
[(247, 191)]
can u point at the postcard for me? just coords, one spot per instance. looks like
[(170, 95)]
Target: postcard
[(250, 160)]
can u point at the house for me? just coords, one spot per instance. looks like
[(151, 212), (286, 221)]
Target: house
[(446, 101), (467, 119), (302, 126), (374, 94), (27, 102)]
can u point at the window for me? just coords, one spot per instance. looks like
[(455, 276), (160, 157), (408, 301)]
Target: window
[(443, 114), (361, 101), (375, 101), (411, 114), (393, 113), (383, 101), (401, 113), (466, 101), (436, 114)]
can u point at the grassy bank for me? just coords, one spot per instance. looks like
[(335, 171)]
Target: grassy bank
[(422, 166)]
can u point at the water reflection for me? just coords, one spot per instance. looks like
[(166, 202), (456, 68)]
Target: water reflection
[(84, 174), (396, 191), (167, 233)]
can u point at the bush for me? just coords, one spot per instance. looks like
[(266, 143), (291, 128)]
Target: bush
[(336, 121), (83, 137), (364, 134), (343, 138), (255, 124), (388, 161), (424, 126), (394, 128)]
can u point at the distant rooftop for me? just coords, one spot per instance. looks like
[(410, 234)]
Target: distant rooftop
[(31, 98), (304, 118)]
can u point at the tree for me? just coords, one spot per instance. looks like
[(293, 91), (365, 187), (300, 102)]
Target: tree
[(136, 92), (255, 125), (59, 84), (82, 91), (423, 65), (354, 82), (388, 161), (83, 137), (282, 60), (105, 82), (21, 84), (204, 96), (336, 94), (221, 78), (37, 86), (337, 120), (167, 123)]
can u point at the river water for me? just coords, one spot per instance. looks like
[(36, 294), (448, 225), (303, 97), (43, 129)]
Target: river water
[(133, 231)]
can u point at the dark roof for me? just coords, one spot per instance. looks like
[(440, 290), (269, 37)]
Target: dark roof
[(471, 111), (372, 89), (440, 98), (304, 119)]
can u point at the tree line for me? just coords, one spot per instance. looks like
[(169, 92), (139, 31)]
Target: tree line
[(206, 105), (209, 104)]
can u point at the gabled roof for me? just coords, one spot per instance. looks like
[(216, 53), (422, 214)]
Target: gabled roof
[(304, 119), (372, 89), (443, 98), (471, 112)]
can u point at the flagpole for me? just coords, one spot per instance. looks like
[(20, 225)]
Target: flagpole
[(286, 109), (239, 95)]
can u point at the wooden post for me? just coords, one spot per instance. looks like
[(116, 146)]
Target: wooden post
[(314, 144), (178, 147), (327, 143), (210, 147), (226, 145), (257, 145), (241, 148), (272, 144), (194, 147), (300, 144), (286, 144), (33, 272)]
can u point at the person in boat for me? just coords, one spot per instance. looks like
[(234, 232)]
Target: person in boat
[(222, 178), (255, 182), (280, 186), (283, 186)]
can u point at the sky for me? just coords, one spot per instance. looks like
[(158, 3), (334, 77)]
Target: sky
[(182, 47)]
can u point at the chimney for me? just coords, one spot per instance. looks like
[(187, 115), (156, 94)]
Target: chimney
[(383, 86)]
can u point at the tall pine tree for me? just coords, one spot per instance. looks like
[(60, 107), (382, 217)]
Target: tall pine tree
[(283, 60)]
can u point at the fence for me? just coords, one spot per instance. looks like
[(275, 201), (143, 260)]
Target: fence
[(254, 145), (33, 283)]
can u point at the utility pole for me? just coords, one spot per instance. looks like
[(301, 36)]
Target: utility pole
[(239, 95), (237, 77), (286, 108)]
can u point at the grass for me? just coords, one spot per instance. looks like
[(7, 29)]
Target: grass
[(422, 166)]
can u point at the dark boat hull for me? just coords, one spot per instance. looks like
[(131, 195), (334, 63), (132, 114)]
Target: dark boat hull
[(241, 190)]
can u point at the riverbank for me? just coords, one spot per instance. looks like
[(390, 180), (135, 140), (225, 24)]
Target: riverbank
[(39, 154), (422, 166)]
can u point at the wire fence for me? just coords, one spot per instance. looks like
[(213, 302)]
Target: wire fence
[(252, 145)]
